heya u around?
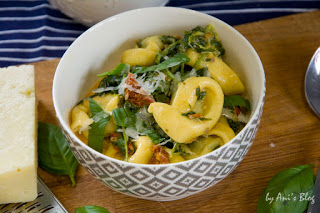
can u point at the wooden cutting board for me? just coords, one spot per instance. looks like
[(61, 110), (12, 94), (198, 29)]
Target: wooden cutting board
[(289, 133)]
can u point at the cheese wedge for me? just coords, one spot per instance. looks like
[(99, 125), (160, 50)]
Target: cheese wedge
[(18, 127)]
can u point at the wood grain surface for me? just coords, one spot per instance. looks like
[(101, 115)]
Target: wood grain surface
[(285, 46)]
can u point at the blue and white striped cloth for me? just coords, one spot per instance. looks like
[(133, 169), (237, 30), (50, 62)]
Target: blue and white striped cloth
[(33, 30)]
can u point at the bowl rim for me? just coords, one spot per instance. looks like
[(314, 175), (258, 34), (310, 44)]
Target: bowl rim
[(254, 114)]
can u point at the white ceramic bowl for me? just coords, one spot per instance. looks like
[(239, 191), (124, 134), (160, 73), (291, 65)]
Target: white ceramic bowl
[(99, 49), (90, 12)]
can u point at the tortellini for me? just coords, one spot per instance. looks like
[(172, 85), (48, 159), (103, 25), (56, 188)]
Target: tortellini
[(181, 128), (143, 153), (166, 102), (223, 130), (145, 55), (174, 157), (203, 145), (80, 120), (219, 135), (110, 150), (219, 71)]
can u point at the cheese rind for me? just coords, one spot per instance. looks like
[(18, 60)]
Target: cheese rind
[(18, 133)]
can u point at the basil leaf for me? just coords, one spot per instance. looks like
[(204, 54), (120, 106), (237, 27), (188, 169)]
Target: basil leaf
[(153, 135), (288, 191), (119, 70), (54, 154), (170, 62), (119, 115), (96, 132), (236, 100), (100, 115), (91, 209), (120, 143), (126, 116)]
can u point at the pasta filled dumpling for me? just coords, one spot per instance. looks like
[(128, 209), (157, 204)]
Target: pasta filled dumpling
[(172, 118), (143, 153), (170, 99), (223, 130), (144, 55), (220, 71)]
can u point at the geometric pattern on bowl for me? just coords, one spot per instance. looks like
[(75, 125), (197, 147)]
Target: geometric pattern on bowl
[(165, 183)]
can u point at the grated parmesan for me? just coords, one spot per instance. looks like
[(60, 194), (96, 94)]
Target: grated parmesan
[(146, 87), (164, 142), (132, 133), (241, 117), (150, 86), (193, 73)]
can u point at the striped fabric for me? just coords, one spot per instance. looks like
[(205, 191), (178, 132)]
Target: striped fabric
[(33, 30)]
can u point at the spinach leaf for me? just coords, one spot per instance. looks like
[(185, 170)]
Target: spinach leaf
[(170, 62), (203, 40), (168, 39), (121, 69), (218, 45), (284, 191), (54, 154), (160, 97), (120, 143), (153, 135), (187, 35), (126, 117), (96, 132), (236, 126), (216, 42), (110, 81), (200, 72), (236, 100), (171, 50), (91, 209)]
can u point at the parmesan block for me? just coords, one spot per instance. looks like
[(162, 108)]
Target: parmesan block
[(18, 127)]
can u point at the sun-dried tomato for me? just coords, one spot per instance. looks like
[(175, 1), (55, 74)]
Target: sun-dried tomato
[(196, 115), (114, 136), (160, 156), (131, 148), (237, 110), (138, 98)]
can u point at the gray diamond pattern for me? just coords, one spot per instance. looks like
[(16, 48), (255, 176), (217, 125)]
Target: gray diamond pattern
[(172, 175), (139, 175), (156, 184), (163, 183), (202, 167), (187, 180)]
